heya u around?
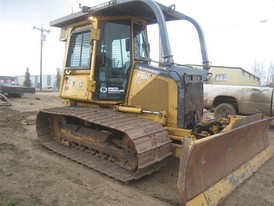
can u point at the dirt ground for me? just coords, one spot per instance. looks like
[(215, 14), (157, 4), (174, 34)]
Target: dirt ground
[(32, 175)]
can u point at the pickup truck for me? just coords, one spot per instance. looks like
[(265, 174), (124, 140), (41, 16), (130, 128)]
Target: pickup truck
[(15, 90), (238, 100)]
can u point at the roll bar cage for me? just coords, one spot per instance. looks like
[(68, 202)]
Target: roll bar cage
[(150, 10)]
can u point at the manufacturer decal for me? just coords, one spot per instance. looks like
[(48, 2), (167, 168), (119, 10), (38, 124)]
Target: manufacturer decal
[(150, 70), (112, 90), (115, 90)]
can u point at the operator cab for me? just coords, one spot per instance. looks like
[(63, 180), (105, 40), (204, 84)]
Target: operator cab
[(117, 44)]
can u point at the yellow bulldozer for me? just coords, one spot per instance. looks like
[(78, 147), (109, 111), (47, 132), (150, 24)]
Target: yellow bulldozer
[(124, 116)]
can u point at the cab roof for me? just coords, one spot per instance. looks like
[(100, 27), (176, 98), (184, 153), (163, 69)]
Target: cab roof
[(117, 8)]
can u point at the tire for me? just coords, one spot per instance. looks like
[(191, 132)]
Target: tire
[(223, 110)]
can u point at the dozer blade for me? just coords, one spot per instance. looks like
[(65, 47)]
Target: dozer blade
[(211, 168)]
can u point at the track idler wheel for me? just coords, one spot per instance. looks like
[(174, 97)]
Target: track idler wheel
[(57, 123)]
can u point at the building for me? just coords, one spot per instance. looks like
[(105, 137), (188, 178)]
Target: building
[(231, 76), (48, 81), (7, 80)]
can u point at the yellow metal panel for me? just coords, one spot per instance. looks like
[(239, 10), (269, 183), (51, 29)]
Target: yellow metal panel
[(151, 95), (75, 87), (139, 80), (148, 90)]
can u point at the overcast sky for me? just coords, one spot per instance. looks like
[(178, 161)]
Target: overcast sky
[(237, 33)]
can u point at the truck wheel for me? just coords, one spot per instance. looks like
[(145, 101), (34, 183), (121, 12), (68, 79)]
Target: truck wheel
[(223, 110)]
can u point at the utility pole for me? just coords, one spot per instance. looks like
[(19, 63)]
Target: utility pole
[(42, 38)]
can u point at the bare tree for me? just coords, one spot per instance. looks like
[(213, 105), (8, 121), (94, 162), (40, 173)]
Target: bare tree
[(259, 70), (270, 76)]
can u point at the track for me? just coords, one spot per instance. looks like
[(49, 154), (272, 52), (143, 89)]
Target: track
[(151, 144)]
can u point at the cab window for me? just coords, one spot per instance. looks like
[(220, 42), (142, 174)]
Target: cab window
[(79, 50), (141, 48)]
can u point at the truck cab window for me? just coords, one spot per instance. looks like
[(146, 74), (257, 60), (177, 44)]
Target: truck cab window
[(79, 50)]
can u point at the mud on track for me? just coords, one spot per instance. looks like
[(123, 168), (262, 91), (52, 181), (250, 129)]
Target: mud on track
[(32, 175)]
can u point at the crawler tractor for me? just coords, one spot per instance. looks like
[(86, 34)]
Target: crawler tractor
[(124, 116)]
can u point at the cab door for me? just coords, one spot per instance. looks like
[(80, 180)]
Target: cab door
[(113, 61)]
